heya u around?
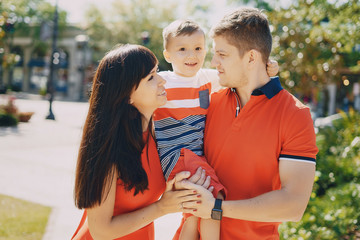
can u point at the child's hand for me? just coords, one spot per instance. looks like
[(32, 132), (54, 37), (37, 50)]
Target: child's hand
[(272, 68), (177, 200), (200, 178)]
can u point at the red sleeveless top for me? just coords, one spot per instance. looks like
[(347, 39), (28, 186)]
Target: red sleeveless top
[(125, 201)]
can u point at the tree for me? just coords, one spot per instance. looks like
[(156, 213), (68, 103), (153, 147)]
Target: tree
[(126, 21), (311, 40), (315, 44), (139, 22), (100, 35)]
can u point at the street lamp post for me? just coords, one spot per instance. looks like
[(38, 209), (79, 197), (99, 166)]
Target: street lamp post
[(54, 61), (82, 41)]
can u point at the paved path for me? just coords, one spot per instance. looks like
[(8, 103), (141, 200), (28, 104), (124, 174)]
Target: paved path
[(37, 163)]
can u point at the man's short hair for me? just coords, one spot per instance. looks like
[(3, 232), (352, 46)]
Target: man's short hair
[(179, 27), (246, 28)]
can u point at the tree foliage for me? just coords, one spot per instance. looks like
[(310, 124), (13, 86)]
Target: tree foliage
[(129, 22), (313, 41), (24, 18)]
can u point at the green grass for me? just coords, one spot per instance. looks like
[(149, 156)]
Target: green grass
[(23, 220)]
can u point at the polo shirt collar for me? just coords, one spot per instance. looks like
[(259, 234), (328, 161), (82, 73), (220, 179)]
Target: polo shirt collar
[(270, 89)]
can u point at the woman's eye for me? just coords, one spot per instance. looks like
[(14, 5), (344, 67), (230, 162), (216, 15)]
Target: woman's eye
[(151, 78)]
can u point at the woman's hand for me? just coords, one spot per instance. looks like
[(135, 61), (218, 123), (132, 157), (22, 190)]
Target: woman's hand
[(174, 200), (205, 200)]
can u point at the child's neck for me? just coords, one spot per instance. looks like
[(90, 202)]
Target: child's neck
[(183, 75)]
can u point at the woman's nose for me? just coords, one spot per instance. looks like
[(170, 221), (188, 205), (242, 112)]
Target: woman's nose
[(161, 80)]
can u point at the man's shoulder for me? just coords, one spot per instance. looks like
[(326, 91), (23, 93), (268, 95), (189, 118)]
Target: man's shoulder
[(290, 101), (292, 106), (219, 96)]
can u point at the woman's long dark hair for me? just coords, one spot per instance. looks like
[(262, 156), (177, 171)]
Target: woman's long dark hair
[(113, 135)]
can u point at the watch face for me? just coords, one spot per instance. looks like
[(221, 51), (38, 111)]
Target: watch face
[(216, 214)]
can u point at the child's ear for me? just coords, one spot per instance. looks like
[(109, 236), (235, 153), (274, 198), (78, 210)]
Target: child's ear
[(166, 56)]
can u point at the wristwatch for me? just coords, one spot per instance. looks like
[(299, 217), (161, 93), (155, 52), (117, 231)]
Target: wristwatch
[(216, 212)]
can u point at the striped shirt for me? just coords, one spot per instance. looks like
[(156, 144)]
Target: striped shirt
[(180, 122)]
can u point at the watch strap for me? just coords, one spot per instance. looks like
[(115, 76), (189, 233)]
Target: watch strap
[(218, 203)]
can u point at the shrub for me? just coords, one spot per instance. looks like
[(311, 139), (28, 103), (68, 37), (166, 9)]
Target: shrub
[(7, 120), (333, 210)]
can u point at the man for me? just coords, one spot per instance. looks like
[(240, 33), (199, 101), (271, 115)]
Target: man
[(259, 138)]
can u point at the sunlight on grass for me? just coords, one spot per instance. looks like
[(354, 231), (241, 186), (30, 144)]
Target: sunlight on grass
[(23, 220)]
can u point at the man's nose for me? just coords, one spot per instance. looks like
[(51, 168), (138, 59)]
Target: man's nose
[(214, 62)]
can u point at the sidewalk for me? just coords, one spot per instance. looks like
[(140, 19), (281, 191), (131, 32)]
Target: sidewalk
[(38, 161)]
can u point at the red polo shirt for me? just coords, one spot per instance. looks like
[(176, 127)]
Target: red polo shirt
[(245, 150)]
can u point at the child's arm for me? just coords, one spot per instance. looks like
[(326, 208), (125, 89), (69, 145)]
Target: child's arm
[(272, 68)]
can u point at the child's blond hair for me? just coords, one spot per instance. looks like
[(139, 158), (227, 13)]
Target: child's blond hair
[(179, 27)]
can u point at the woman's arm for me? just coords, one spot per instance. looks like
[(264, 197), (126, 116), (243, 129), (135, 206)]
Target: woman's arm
[(103, 225), (286, 204)]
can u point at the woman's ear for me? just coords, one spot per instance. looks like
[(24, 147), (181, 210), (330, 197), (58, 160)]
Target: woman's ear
[(131, 101), (167, 56)]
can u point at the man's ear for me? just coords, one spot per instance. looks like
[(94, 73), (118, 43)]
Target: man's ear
[(167, 56), (254, 56)]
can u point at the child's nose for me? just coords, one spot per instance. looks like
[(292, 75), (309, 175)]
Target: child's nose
[(191, 54)]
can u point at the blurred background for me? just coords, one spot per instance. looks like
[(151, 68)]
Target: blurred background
[(315, 42), (49, 51)]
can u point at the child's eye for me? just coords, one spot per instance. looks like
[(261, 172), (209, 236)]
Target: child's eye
[(151, 78), (198, 48), (182, 49)]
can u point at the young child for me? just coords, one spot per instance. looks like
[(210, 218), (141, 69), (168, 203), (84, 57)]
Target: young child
[(180, 123)]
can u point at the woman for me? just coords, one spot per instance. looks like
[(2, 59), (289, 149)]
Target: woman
[(118, 176)]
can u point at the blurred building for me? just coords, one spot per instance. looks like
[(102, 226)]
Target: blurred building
[(73, 64)]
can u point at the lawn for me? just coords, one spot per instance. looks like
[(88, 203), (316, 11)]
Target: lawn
[(23, 220)]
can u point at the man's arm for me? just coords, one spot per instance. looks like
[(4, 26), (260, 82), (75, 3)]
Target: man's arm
[(286, 204)]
